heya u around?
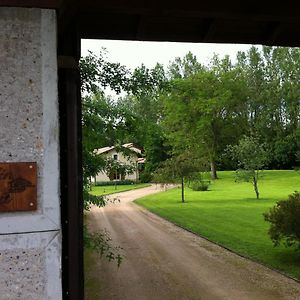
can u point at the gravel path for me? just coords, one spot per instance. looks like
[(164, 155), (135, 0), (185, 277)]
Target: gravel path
[(166, 262)]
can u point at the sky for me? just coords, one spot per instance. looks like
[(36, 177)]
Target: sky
[(133, 53)]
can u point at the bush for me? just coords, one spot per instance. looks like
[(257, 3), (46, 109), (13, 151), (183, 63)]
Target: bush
[(200, 185), (120, 182), (285, 221), (145, 177)]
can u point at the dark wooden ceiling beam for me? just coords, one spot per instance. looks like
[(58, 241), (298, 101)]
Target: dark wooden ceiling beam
[(67, 16), (254, 10), (274, 32), (182, 29), (54, 4), (209, 30)]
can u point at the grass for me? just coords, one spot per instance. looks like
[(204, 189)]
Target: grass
[(111, 189), (92, 287), (230, 215)]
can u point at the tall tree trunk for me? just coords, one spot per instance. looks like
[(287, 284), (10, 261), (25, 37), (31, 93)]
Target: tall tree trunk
[(182, 189), (213, 170), (255, 187)]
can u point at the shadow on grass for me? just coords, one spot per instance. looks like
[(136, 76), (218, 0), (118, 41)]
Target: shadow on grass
[(290, 257), (92, 286)]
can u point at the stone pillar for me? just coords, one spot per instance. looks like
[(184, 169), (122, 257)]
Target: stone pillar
[(30, 242)]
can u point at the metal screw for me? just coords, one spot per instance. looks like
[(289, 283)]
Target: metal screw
[(30, 167), (30, 204)]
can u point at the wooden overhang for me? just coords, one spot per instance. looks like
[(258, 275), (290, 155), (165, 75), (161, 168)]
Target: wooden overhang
[(251, 22), (255, 22)]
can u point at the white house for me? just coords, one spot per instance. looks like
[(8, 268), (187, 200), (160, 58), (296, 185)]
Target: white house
[(132, 157)]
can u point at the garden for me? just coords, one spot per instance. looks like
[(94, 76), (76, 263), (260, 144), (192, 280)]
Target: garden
[(230, 215)]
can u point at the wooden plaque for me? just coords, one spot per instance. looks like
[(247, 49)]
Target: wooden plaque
[(18, 190)]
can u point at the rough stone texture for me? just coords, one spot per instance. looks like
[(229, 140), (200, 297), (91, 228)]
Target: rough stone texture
[(21, 86), (18, 274), (30, 244), (29, 109), (30, 266)]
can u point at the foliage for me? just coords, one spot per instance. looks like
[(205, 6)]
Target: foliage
[(90, 199), (103, 123), (109, 122), (202, 109), (229, 216), (96, 73), (118, 182), (101, 243), (199, 182), (143, 103), (113, 166), (272, 106), (201, 113), (285, 221), (210, 107), (184, 67), (110, 189), (179, 168), (146, 177), (250, 153), (251, 157), (200, 185)]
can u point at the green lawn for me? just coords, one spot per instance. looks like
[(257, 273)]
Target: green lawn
[(92, 286), (230, 215), (110, 189)]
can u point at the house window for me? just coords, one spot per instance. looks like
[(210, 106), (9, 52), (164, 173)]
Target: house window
[(117, 176), (115, 156)]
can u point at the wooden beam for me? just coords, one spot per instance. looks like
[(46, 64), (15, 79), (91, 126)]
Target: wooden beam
[(217, 9), (209, 30), (71, 165), (54, 4), (273, 32)]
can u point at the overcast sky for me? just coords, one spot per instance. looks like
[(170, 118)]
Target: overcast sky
[(133, 54)]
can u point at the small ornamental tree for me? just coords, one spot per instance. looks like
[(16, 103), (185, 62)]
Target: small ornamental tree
[(114, 167), (178, 169), (251, 156), (285, 221)]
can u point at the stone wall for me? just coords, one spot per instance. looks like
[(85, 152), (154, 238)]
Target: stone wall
[(30, 242)]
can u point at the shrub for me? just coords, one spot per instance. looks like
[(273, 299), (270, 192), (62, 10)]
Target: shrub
[(120, 182), (285, 221), (145, 177), (200, 185)]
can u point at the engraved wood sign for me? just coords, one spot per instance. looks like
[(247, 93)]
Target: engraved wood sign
[(18, 190)]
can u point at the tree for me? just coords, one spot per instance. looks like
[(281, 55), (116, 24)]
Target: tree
[(103, 123), (201, 114), (97, 74), (181, 167), (184, 67), (143, 104), (251, 156), (272, 103), (108, 122), (114, 167), (285, 221)]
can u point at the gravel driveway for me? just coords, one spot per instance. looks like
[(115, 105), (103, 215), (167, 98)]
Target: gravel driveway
[(164, 261)]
